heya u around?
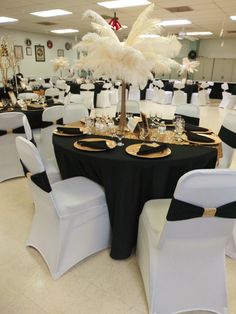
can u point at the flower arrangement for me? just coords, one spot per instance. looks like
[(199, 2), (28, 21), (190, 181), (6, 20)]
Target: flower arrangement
[(188, 67), (60, 63), (7, 59), (131, 61)]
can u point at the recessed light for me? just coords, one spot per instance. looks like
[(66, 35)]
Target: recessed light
[(198, 33), (233, 17), (149, 36), (174, 22), (123, 3), (50, 13), (64, 31), (4, 19)]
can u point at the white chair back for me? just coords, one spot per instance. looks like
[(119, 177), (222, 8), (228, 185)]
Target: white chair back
[(74, 113), (103, 99), (134, 93), (51, 92), (131, 107), (228, 147), (179, 98), (10, 166)]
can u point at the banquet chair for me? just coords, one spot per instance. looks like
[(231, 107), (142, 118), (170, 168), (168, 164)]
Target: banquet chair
[(131, 107), (103, 98), (52, 92), (190, 114), (161, 96), (227, 134), (51, 118), (134, 93), (182, 243), (11, 125), (87, 91), (179, 97), (200, 98), (71, 219), (49, 163), (73, 113), (74, 99), (225, 96)]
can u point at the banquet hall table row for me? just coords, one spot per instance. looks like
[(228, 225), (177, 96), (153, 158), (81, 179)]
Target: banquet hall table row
[(129, 181)]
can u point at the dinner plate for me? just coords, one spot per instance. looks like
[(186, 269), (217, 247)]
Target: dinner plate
[(133, 150), (216, 139), (111, 144), (60, 133)]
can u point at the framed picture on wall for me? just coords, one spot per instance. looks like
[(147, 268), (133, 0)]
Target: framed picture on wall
[(18, 51), (60, 52), (39, 53), (28, 51)]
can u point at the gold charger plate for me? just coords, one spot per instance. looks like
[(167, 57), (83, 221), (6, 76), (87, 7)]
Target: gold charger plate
[(133, 149), (111, 144), (216, 139), (56, 132)]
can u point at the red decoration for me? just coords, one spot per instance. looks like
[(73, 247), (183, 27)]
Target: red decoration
[(114, 23)]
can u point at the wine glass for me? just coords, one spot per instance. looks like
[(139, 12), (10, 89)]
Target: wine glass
[(120, 135), (143, 133)]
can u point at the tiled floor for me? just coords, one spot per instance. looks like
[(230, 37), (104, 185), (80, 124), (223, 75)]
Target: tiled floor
[(98, 285)]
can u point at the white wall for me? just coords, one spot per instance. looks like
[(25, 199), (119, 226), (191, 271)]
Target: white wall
[(211, 48), (28, 66)]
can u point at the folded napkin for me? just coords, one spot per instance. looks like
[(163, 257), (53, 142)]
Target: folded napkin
[(96, 144), (69, 130), (192, 127), (198, 138), (146, 149)]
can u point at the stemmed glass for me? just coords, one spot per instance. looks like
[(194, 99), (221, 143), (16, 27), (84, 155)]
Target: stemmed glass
[(120, 135), (179, 124)]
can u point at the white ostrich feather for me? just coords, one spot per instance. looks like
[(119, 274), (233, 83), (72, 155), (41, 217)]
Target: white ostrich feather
[(98, 20), (131, 61), (143, 25), (188, 66), (60, 63)]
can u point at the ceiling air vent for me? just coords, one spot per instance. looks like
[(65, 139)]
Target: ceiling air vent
[(179, 9), (46, 23), (232, 32)]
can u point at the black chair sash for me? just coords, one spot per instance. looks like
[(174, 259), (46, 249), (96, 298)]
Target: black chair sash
[(45, 124), (190, 120), (40, 179), (227, 136), (18, 130), (180, 210)]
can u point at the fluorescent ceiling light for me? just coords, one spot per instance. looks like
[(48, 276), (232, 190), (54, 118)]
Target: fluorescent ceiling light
[(174, 22), (233, 17), (198, 33), (64, 31), (149, 36), (4, 19), (123, 3), (50, 13)]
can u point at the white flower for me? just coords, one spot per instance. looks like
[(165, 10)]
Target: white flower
[(60, 63), (188, 66)]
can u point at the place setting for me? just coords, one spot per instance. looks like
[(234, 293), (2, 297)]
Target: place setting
[(67, 131), (95, 144)]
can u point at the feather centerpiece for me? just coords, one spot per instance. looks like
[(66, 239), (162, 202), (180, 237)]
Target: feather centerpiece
[(189, 66), (60, 63), (131, 61)]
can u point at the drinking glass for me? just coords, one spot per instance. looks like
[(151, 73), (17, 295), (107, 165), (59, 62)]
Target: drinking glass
[(120, 135)]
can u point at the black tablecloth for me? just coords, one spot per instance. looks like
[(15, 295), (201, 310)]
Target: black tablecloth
[(129, 181)]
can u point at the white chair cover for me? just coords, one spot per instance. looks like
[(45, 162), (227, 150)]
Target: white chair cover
[(10, 166), (51, 114), (103, 99), (134, 93), (183, 262), (188, 110), (228, 151), (88, 94), (225, 100), (131, 107), (52, 92), (179, 98), (200, 98), (74, 112), (71, 218)]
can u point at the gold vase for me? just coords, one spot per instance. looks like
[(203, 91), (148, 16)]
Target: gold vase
[(122, 123)]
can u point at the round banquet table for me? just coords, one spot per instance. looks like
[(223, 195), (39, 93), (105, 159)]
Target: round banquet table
[(129, 181)]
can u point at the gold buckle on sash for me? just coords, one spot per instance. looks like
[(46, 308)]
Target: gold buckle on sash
[(9, 131), (209, 212)]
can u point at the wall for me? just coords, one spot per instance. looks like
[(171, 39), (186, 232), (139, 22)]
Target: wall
[(211, 48), (28, 66)]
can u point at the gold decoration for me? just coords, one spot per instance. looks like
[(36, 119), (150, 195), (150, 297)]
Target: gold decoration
[(209, 212)]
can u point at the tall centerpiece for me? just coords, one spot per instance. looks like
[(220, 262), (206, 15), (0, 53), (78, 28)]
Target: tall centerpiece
[(59, 64), (131, 61), (8, 61), (188, 67)]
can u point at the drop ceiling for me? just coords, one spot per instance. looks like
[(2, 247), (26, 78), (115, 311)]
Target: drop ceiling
[(205, 15)]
